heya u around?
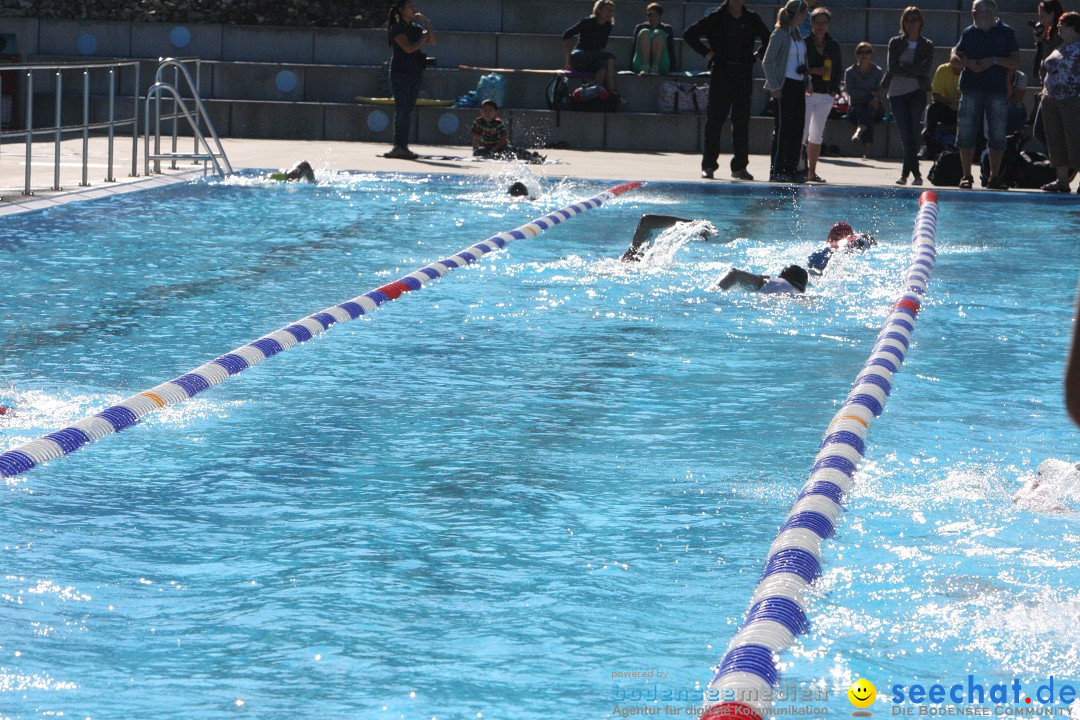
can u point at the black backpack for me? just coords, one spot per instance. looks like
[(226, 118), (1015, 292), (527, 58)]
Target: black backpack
[(558, 93), (946, 171)]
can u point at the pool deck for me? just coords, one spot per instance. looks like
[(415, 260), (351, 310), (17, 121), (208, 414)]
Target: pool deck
[(366, 157)]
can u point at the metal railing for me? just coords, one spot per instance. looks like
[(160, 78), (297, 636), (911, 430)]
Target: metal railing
[(61, 74), (219, 159), (58, 130)]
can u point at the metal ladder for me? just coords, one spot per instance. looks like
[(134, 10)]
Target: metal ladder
[(202, 150)]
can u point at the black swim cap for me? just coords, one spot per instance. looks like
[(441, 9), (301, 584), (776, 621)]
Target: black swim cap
[(518, 189), (795, 275)]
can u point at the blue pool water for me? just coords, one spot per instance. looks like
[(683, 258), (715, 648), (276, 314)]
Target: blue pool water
[(499, 495)]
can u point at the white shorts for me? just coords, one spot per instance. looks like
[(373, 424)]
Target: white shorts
[(818, 106)]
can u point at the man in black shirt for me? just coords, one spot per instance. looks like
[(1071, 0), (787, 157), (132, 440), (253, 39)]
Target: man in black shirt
[(726, 38)]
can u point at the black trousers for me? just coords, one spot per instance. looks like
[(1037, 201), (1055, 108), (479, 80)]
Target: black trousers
[(936, 114), (788, 128), (730, 90)]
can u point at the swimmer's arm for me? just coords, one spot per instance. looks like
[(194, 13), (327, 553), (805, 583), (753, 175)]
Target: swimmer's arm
[(645, 226), (740, 278), (1072, 368)]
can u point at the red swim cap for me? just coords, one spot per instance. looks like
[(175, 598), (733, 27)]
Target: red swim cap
[(840, 230)]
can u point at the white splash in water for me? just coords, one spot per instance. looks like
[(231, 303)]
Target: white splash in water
[(1055, 488)]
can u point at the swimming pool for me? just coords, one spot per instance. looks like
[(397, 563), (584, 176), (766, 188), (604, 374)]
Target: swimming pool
[(504, 495)]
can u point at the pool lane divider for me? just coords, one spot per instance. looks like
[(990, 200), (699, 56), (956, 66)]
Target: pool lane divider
[(130, 410), (747, 674)]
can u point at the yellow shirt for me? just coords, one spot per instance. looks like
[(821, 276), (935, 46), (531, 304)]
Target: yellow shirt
[(946, 83)]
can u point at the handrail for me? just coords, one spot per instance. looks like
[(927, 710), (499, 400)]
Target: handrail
[(154, 93), (178, 66), (58, 130)]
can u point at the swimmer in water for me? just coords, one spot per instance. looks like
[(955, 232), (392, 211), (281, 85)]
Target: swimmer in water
[(791, 281), (841, 237), (300, 172), (6, 410), (649, 224), (519, 190)]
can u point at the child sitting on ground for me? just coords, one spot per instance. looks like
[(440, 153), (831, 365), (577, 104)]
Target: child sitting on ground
[(489, 134), (491, 139)]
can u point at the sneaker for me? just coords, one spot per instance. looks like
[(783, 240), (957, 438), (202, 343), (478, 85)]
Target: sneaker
[(902, 180), (917, 180), (741, 175), (707, 174), (997, 184), (1055, 187)]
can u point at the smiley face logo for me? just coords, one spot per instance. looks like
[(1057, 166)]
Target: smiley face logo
[(862, 693)]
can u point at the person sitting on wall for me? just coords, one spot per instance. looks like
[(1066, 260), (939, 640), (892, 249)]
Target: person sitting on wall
[(841, 236), (654, 43), (945, 89), (300, 172), (650, 224), (791, 281)]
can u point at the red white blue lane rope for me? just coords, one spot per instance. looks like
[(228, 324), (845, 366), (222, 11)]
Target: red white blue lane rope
[(747, 673), (129, 411)]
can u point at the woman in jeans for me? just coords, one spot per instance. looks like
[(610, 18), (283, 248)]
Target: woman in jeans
[(907, 82), (786, 79), (407, 32), (823, 62)]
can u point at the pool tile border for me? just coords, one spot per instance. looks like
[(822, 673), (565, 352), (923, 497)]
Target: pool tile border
[(51, 200)]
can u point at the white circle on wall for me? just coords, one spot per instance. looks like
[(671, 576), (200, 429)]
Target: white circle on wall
[(449, 123), (377, 121), (86, 44), (180, 37), (285, 81)]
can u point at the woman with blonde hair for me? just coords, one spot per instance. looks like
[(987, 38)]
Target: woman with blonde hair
[(907, 81), (786, 80), (588, 54), (824, 65)]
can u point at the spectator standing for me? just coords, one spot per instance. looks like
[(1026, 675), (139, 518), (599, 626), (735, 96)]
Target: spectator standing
[(726, 37), (1046, 41), (1046, 33), (945, 93), (1061, 103), (407, 32), (823, 61), (907, 82), (862, 84), (589, 53), (654, 43), (786, 79), (988, 50)]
